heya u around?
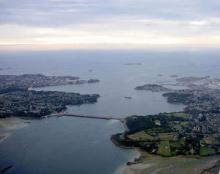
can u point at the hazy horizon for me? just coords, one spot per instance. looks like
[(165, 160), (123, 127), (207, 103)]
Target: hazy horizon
[(50, 24)]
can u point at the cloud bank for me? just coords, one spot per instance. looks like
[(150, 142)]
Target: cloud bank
[(144, 22)]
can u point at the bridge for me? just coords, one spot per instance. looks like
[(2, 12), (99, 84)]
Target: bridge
[(88, 116)]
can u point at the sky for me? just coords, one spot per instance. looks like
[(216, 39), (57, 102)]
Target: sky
[(95, 23)]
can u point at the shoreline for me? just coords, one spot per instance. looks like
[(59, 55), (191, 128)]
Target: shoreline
[(4, 136), (124, 168), (155, 164), (10, 124), (143, 162)]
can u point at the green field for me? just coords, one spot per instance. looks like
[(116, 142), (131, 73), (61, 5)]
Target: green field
[(179, 115), (210, 141), (164, 148), (141, 136), (206, 151), (166, 136)]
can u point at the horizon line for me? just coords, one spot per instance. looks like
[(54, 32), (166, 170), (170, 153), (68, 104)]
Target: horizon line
[(93, 46)]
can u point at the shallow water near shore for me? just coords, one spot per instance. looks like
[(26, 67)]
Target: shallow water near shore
[(77, 145), (63, 145)]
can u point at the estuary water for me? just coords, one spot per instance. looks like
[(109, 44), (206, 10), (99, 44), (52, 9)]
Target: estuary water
[(82, 146)]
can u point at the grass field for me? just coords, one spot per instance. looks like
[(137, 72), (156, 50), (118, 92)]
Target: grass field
[(164, 148), (166, 136), (141, 136), (206, 151), (144, 136), (210, 141), (180, 115)]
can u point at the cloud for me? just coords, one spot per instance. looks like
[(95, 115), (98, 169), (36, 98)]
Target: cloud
[(112, 21), (67, 12)]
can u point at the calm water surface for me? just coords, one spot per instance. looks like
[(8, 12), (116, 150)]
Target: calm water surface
[(82, 146)]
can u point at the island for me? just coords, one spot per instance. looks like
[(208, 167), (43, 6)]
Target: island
[(127, 97), (18, 99), (174, 76), (93, 80), (153, 88), (133, 64)]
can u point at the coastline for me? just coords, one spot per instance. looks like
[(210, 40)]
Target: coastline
[(4, 136), (126, 169), (9, 124), (143, 162), (154, 164)]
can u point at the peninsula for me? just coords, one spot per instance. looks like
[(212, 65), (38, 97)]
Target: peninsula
[(40, 80), (194, 131), (18, 99)]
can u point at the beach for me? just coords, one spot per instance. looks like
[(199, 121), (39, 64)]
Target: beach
[(9, 125), (153, 164)]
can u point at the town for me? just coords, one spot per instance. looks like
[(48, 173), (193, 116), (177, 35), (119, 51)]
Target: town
[(17, 97), (194, 131)]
